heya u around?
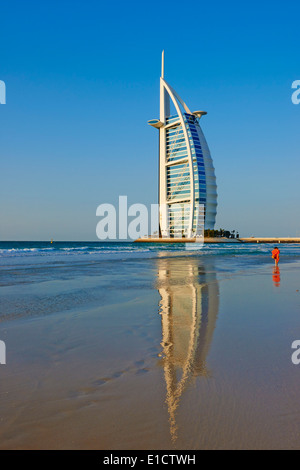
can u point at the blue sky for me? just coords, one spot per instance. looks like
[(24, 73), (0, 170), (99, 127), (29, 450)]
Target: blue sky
[(82, 81)]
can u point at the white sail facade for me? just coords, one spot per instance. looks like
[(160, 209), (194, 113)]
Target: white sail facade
[(187, 182)]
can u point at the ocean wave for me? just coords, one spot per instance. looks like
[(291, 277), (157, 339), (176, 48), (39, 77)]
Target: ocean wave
[(76, 249)]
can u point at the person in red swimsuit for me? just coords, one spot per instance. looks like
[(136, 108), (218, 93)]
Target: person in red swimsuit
[(275, 255)]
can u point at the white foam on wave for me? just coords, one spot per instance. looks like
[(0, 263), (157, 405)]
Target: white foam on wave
[(74, 248), (19, 250)]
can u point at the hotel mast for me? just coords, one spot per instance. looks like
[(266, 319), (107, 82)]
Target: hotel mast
[(187, 182)]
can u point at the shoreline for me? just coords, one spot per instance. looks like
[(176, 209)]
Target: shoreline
[(187, 240), (221, 240)]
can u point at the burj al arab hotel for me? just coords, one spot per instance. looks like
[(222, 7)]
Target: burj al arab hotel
[(187, 182)]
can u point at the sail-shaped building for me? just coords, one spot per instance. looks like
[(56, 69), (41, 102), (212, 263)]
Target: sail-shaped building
[(187, 182)]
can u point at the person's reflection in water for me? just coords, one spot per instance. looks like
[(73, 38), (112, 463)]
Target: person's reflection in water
[(276, 276), (188, 307)]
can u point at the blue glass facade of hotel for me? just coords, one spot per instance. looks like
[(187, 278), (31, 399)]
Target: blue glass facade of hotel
[(178, 172)]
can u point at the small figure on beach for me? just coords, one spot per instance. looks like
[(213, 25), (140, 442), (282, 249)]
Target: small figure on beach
[(275, 255)]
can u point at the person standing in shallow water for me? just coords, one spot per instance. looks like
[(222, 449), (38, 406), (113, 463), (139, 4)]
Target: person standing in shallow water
[(275, 255)]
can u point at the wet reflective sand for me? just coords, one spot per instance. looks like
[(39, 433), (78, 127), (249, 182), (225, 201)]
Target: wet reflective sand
[(178, 352)]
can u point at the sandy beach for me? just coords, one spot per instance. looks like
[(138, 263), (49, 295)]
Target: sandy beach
[(171, 351)]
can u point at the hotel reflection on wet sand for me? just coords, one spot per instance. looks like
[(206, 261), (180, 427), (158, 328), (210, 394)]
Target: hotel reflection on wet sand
[(173, 352), (189, 309)]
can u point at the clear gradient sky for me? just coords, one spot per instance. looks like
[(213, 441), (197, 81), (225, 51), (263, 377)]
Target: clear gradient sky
[(82, 81)]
